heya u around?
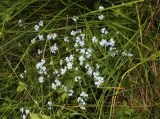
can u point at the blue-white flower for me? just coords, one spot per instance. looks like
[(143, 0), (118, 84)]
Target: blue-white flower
[(41, 37), (54, 48), (94, 39), (75, 18), (41, 23), (70, 93), (36, 27), (41, 79), (100, 8), (101, 17)]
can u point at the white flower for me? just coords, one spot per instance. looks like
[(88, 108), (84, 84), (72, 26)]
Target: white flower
[(39, 51), (21, 75), (63, 70), (66, 39), (57, 82), (54, 35), (81, 102), (36, 27), (64, 88), (88, 53), (82, 107), (69, 65), (51, 36), (82, 51), (104, 31), (70, 93), (54, 87), (77, 78), (54, 48), (99, 81), (103, 42), (84, 94), (20, 23), (101, 8), (73, 33), (81, 43), (41, 37), (75, 18), (41, 79), (97, 66), (49, 103), (96, 74), (71, 57), (79, 31), (87, 66), (90, 71), (22, 109), (76, 45), (81, 59), (41, 23), (117, 32), (101, 17), (125, 53), (112, 42), (82, 36), (33, 40), (130, 54), (23, 116), (27, 111), (94, 39)]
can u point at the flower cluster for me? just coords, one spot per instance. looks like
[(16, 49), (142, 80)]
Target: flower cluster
[(89, 69), (22, 74), (69, 64), (52, 36), (94, 39), (82, 100), (80, 40), (39, 51), (98, 80), (125, 53), (66, 39), (77, 79), (54, 48), (57, 84), (104, 31), (20, 23), (37, 26), (101, 16), (69, 60), (49, 105), (24, 112), (40, 66), (42, 70), (75, 18)]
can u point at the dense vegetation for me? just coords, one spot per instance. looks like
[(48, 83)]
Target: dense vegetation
[(79, 59)]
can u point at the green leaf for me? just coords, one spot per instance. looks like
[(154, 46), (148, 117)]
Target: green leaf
[(38, 116), (129, 111), (64, 96), (21, 87)]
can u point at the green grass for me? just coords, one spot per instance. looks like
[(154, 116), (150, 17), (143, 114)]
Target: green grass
[(131, 84)]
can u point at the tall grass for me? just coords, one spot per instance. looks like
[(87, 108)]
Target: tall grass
[(113, 75)]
